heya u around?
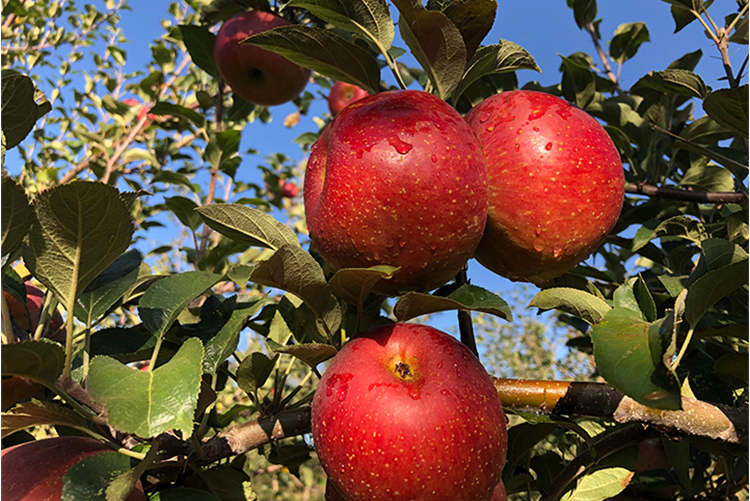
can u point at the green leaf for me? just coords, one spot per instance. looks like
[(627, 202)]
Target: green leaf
[(624, 299), (628, 353), (254, 371), (578, 83), (184, 209), (645, 300), (20, 109), (89, 478), (108, 287), (729, 108), (584, 11), (713, 286), (199, 43), (164, 300), (175, 110), (126, 344), (674, 81), (435, 42), (354, 284), (149, 403), (576, 302), (16, 215), (292, 269), (500, 58), (708, 178), (79, 229), (474, 19), (607, 479), (223, 344), (310, 353), (368, 18), (36, 413), (678, 226), (626, 41), (41, 360), (323, 52), (466, 297), (718, 253), (245, 224)]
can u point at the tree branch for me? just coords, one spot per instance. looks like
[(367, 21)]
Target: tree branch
[(674, 193), (696, 418)]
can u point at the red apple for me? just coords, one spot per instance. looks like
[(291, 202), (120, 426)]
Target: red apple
[(27, 316), (332, 494), (499, 493), (258, 76), (343, 94), (407, 412), (556, 184), (289, 190), (32, 471), (397, 179)]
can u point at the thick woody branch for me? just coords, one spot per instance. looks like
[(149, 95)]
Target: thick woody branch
[(696, 418), (242, 438), (674, 193)]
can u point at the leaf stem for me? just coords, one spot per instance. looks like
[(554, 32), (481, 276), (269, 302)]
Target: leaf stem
[(688, 338), (10, 337), (155, 354)]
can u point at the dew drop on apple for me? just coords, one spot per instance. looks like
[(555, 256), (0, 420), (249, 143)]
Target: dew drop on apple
[(445, 392), (400, 146), (402, 242), (341, 394), (440, 364), (414, 394), (538, 230), (557, 250), (485, 116), (538, 246), (433, 158), (548, 146)]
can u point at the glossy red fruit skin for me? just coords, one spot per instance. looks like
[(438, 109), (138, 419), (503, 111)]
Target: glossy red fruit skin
[(397, 178), (29, 320), (258, 76), (32, 471), (499, 494), (440, 435), (556, 184), (342, 95)]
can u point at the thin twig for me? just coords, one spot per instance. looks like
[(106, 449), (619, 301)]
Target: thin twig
[(675, 193)]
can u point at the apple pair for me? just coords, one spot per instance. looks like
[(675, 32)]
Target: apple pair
[(527, 184)]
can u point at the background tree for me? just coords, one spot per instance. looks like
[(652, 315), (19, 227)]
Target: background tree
[(189, 356)]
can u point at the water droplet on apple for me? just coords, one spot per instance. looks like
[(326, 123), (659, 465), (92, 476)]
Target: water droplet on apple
[(538, 230), (485, 116), (402, 242), (341, 394), (458, 370), (445, 392), (404, 195), (557, 250), (536, 129), (414, 394), (433, 246), (342, 468), (440, 364), (536, 114), (400, 146), (548, 146), (538, 246), (433, 158)]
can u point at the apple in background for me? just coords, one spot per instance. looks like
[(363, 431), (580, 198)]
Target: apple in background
[(499, 493), (556, 184), (258, 76), (28, 319), (289, 190), (32, 471), (343, 94), (397, 179), (407, 412)]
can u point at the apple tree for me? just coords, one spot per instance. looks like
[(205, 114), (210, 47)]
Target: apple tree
[(198, 318)]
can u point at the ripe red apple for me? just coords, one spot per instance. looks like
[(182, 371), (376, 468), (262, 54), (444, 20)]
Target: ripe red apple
[(343, 94), (407, 412), (258, 76), (397, 179), (32, 471), (27, 316), (556, 184), (499, 493), (289, 190)]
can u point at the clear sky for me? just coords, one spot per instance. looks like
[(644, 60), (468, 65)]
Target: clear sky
[(545, 28)]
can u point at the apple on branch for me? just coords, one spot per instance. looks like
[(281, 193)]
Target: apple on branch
[(256, 75), (33, 471), (342, 95), (398, 179), (27, 316), (407, 412), (556, 184)]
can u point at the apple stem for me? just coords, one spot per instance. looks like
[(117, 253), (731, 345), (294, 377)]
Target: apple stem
[(465, 326)]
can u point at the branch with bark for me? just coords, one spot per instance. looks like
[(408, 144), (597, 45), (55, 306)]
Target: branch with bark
[(674, 193)]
